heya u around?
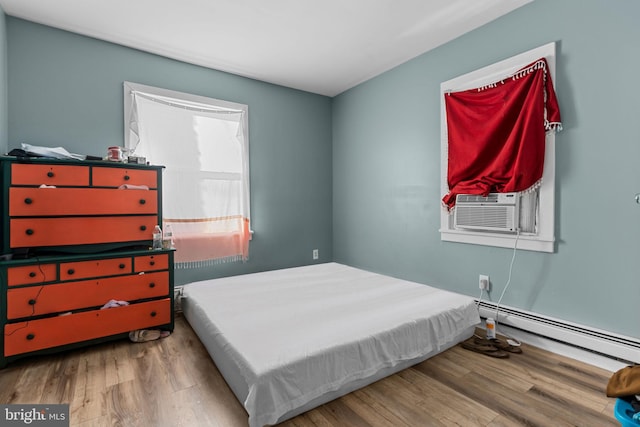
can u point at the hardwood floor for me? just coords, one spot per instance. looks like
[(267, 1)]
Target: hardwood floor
[(173, 382)]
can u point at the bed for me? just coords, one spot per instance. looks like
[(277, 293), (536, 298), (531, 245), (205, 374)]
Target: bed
[(289, 340)]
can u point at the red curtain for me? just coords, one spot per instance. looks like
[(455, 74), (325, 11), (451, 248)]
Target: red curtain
[(496, 133)]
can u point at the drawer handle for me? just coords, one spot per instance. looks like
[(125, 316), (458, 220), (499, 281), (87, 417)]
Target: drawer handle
[(32, 302), (143, 201), (32, 274), (143, 227), (122, 266), (153, 314), (152, 285), (28, 201), (127, 177), (30, 336), (29, 232), (152, 263), (50, 174), (71, 271)]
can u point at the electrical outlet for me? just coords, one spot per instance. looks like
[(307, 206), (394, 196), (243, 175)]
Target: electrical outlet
[(484, 283), (315, 254)]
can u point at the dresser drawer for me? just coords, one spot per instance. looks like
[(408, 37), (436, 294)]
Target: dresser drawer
[(24, 337), (24, 201), (32, 174), (115, 177), (31, 274), (94, 268), (47, 299), (42, 232), (151, 263)]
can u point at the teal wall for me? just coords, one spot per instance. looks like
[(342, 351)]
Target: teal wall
[(66, 90), (372, 199), (386, 160), (4, 133)]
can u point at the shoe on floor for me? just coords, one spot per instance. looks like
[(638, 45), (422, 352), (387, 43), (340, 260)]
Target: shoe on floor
[(484, 348), (499, 344), (144, 335)]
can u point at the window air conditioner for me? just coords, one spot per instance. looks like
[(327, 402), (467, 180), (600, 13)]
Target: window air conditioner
[(495, 212)]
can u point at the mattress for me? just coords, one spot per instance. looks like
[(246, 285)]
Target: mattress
[(289, 340)]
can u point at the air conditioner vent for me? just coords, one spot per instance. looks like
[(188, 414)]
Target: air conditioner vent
[(474, 198), (495, 212)]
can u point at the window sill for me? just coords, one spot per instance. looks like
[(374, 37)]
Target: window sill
[(526, 242)]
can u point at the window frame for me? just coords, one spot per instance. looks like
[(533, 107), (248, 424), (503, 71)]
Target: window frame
[(544, 239)]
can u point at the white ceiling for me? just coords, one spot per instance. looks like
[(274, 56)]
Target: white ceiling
[(322, 46)]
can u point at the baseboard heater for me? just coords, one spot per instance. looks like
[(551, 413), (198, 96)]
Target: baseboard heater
[(605, 343)]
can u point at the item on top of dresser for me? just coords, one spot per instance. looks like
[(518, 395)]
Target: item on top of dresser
[(157, 237), (115, 154), (137, 160), (21, 154), (52, 152), (167, 237)]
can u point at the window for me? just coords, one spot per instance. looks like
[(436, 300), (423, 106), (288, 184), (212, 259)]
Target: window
[(203, 145), (540, 236)]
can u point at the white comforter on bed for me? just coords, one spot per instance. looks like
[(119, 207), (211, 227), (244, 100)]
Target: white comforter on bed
[(298, 333)]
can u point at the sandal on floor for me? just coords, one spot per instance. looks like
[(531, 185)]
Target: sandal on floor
[(144, 335), (499, 344), (486, 349)]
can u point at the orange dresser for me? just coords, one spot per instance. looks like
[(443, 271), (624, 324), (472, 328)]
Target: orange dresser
[(76, 235), (78, 206)]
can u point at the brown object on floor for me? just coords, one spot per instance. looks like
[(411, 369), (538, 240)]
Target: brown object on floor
[(624, 382), (144, 335), (484, 348), (499, 344)]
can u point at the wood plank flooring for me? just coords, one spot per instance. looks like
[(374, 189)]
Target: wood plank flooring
[(173, 382)]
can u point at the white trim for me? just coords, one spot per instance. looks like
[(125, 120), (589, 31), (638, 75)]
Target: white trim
[(576, 353), (525, 242), (544, 240), (598, 341)]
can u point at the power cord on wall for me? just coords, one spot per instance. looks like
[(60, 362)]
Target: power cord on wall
[(479, 300), (510, 340), (35, 300)]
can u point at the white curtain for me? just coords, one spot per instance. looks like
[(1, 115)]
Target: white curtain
[(204, 149)]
